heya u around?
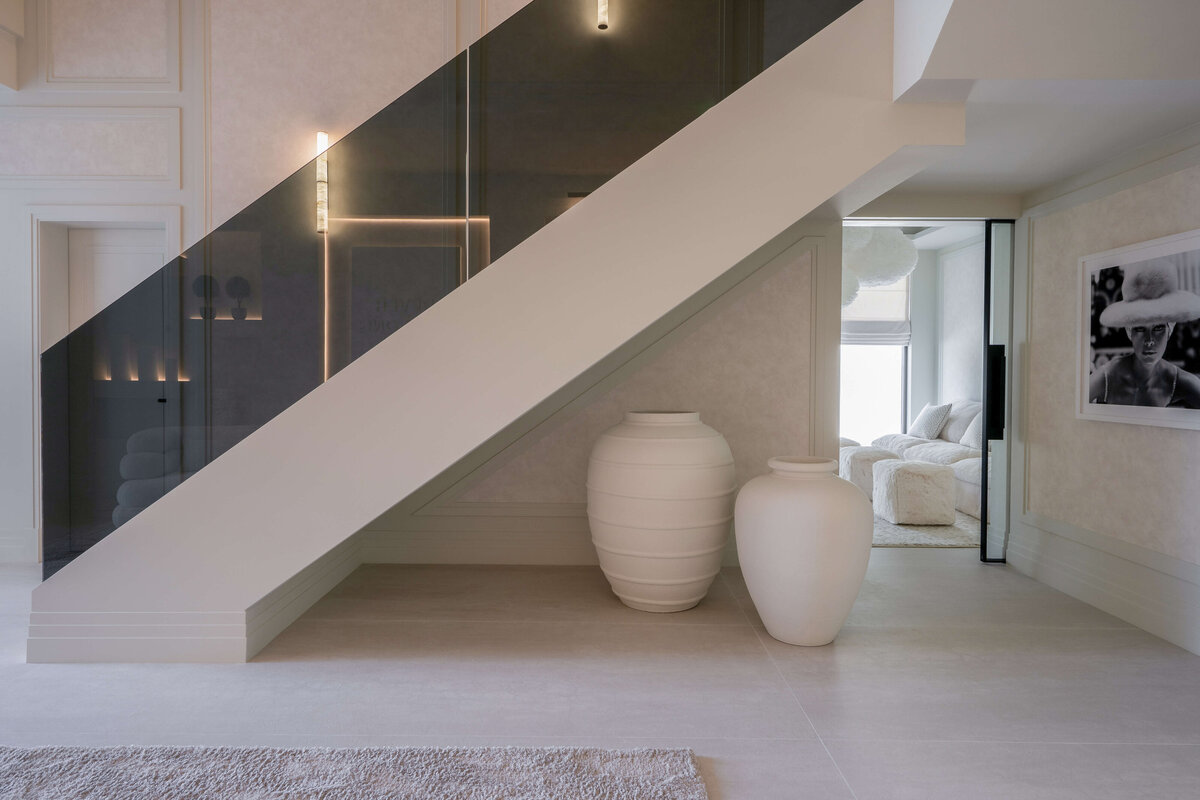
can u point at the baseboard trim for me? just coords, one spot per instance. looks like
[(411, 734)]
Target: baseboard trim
[(1145, 588), (80, 637), (466, 508), (214, 637), (545, 534), (19, 546), (570, 545)]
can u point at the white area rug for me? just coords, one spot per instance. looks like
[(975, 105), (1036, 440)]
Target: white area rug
[(963, 533), (500, 773)]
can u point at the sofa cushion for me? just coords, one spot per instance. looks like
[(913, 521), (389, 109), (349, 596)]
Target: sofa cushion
[(856, 465), (967, 488), (968, 471), (959, 419), (940, 453), (930, 421), (898, 442), (973, 436)]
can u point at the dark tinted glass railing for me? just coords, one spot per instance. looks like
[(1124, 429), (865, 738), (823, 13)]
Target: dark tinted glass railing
[(448, 178)]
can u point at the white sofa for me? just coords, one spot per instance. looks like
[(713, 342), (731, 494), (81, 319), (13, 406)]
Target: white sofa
[(951, 448)]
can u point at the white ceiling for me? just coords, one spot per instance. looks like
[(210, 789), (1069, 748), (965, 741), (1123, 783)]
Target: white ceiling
[(1025, 135)]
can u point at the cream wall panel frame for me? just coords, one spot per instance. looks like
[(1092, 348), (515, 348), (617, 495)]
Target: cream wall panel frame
[(65, 146), (1131, 579), (108, 46)]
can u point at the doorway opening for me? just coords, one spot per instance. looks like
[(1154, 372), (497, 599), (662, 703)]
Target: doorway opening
[(921, 305)]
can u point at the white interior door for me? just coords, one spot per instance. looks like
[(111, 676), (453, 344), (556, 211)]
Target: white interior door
[(105, 263)]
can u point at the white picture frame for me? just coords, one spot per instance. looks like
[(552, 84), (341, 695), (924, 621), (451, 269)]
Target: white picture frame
[(1101, 276)]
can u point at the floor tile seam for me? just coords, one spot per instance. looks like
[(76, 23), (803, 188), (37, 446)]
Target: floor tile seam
[(738, 601), (531, 621), (995, 627), (658, 737), (796, 699), (1032, 742)]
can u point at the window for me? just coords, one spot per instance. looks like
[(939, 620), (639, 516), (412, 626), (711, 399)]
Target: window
[(874, 371), (872, 384)]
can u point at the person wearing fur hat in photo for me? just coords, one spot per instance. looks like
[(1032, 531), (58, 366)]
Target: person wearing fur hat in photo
[(1152, 304)]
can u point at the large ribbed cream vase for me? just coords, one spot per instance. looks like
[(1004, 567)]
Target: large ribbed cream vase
[(803, 540), (660, 501)]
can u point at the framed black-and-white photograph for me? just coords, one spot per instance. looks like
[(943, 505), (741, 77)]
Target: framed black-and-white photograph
[(1139, 334)]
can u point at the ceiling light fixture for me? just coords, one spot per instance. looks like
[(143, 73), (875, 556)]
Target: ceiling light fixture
[(322, 182), (877, 256), (602, 14)]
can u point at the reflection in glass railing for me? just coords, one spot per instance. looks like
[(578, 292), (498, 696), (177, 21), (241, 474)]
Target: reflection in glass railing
[(481, 154)]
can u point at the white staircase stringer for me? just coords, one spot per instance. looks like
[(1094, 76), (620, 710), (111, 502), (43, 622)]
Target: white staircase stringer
[(653, 242)]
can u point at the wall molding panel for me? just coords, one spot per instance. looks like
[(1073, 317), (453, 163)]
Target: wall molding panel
[(495, 533), (118, 145), (1145, 587), (84, 46)]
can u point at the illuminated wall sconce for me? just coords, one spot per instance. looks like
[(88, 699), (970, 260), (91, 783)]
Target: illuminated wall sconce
[(322, 182), (602, 14)]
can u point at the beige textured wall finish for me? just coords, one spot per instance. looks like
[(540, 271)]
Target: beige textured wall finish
[(1136, 483), (280, 72), (99, 39), (92, 143), (746, 370)]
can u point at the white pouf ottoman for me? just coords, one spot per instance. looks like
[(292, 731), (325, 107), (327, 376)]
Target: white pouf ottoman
[(856, 464), (914, 492)]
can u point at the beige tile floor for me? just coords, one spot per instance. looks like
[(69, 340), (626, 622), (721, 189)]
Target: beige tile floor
[(952, 679)]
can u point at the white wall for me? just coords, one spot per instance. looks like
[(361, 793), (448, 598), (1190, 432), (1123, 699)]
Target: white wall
[(923, 349), (960, 322)]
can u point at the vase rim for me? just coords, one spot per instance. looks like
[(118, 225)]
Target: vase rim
[(662, 417), (803, 465)]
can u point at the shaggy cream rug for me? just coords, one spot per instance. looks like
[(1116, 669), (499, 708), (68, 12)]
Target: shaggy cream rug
[(500, 773), (963, 533)]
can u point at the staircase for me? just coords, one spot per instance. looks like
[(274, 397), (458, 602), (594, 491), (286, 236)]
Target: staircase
[(234, 553)]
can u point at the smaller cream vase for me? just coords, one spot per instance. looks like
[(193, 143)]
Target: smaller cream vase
[(803, 539), (660, 499)]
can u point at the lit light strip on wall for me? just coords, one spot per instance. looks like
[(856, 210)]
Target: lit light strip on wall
[(602, 14), (323, 228), (322, 182)]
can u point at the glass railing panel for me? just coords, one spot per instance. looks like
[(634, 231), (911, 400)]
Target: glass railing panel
[(398, 240), (425, 194), (255, 316), (787, 24), (557, 120), (102, 453)]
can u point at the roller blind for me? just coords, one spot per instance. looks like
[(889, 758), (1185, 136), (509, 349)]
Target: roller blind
[(879, 315), (872, 331)]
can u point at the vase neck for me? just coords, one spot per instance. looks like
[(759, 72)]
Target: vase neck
[(803, 467), (662, 417)]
